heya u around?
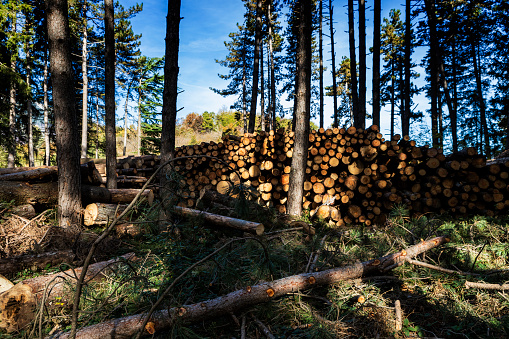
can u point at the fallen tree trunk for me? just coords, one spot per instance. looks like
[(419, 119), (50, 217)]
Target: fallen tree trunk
[(17, 303), (28, 175), (42, 260), (47, 193), (243, 225), (101, 214), (249, 296)]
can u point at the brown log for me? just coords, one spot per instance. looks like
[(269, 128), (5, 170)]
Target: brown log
[(243, 225), (30, 175), (250, 295), (34, 261), (26, 211), (17, 304), (101, 214)]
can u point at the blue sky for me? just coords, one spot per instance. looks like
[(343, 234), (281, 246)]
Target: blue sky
[(204, 29)]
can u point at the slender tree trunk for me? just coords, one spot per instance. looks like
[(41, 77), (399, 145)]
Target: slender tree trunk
[(303, 104), (433, 64), (361, 118), (124, 152), (244, 85), (46, 110), (454, 112), (268, 127), (84, 55), (353, 63), (408, 58), (171, 71), (11, 149), (480, 97), (68, 154), (256, 66), (262, 91), (320, 51), (440, 120), (376, 63), (333, 57), (393, 96), (109, 98), (401, 83), (97, 124), (29, 111), (138, 137), (272, 72)]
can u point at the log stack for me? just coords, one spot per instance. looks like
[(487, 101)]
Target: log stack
[(352, 175)]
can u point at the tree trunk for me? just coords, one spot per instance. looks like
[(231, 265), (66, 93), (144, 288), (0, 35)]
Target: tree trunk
[(84, 112), (405, 126), (480, 97), (361, 118), (97, 124), (171, 71), (303, 103), (333, 55), (430, 10), (46, 110), (138, 134), (320, 51), (109, 95), (124, 152), (29, 111), (68, 155), (244, 85), (251, 295), (272, 72), (256, 65), (376, 63), (353, 63), (262, 91)]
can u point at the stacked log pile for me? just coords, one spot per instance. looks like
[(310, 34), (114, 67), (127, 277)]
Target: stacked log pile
[(352, 175)]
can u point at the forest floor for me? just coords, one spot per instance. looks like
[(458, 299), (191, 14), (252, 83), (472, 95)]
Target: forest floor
[(434, 304)]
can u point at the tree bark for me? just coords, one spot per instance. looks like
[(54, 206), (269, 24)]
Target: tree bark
[(251, 295), (263, 119), (361, 118), (303, 103), (109, 95), (171, 71), (320, 51), (68, 155), (138, 134), (353, 63), (42, 260), (273, 105), (408, 58), (256, 65), (84, 112), (376, 63), (124, 151), (333, 56), (46, 110)]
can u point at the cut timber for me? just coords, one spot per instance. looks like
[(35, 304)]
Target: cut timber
[(223, 187), (47, 193), (250, 295), (17, 307), (243, 225), (101, 214), (34, 261), (29, 175)]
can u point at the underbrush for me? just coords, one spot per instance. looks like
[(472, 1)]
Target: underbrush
[(433, 303)]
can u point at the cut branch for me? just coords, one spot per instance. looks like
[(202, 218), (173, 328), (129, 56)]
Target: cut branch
[(251, 295)]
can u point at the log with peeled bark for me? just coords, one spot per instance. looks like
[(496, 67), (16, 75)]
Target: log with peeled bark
[(243, 225), (17, 303), (35, 261), (249, 296)]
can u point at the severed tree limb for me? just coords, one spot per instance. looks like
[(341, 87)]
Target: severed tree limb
[(265, 330), (438, 268), (504, 287), (243, 225), (399, 316), (41, 260), (251, 295)]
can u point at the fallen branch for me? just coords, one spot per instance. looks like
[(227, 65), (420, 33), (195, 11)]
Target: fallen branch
[(250, 295), (18, 263), (438, 268), (484, 286), (399, 316), (243, 225)]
